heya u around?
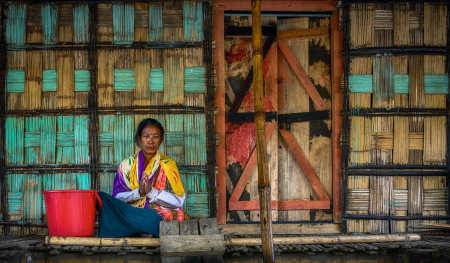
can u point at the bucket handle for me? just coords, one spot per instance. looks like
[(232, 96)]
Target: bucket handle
[(99, 201)]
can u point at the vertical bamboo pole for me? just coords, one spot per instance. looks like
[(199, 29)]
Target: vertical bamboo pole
[(263, 175)]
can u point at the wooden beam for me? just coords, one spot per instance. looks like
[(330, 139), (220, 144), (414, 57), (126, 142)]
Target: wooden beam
[(319, 104), (337, 66), (307, 169), (271, 74), (219, 61), (247, 173), (277, 5), (282, 205), (303, 32), (326, 239), (283, 229)]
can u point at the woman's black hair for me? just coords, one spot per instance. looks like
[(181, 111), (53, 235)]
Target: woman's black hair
[(144, 123)]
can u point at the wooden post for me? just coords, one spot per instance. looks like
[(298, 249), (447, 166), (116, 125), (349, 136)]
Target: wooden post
[(263, 175), (336, 119), (219, 55)]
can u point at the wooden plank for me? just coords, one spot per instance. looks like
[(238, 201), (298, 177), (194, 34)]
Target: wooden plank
[(169, 228), (277, 5), (337, 65), (208, 226), (174, 245), (219, 102), (283, 229), (189, 227), (308, 171), (251, 163), (302, 76), (303, 32), (283, 205), (296, 99)]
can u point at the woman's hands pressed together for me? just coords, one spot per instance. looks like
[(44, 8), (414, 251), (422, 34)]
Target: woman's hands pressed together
[(144, 186)]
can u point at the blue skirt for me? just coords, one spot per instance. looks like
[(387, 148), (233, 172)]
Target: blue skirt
[(119, 219)]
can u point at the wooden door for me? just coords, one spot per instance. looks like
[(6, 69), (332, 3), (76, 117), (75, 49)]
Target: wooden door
[(298, 129)]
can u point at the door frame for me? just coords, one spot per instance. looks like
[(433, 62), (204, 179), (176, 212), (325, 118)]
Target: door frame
[(219, 8)]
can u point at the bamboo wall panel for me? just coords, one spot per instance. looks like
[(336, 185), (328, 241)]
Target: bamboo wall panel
[(402, 82), (47, 139), (51, 79)]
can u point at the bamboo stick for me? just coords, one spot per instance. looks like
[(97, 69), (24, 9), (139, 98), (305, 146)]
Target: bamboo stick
[(154, 242), (326, 239), (263, 175)]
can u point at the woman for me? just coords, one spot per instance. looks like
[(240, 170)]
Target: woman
[(150, 182), (149, 179)]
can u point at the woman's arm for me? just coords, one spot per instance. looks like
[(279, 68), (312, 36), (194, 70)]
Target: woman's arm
[(165, 198), (129, 196)]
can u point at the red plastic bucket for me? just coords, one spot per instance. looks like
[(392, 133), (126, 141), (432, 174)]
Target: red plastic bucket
[(71, 213)]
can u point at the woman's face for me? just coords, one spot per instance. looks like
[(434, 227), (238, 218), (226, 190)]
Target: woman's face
[(150, 140)]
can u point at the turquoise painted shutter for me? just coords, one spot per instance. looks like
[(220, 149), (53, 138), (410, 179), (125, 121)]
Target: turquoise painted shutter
[(15, 24), (123, 23), (49, 14), (32, 140), (81, 24), (123, 137), (175, 137), (48, 139), (65, 140), (81, 141), (156, 80), (360, 83), (15, 81), (155, 22), (14, 140), (193, 20), (194, 79), (105, 138)]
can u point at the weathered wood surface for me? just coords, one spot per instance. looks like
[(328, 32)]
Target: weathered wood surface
[(282, 229), (191, 238)]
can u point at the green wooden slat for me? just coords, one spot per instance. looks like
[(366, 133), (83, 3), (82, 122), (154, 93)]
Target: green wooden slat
[(81, 23), (175, 137), (195, 139), (82, 80), (360, 83), (83, 181), (156, 80), (48, 139), (33, 199), (49, 15), (401, 83), (193, 20), (155, 22), (124, 79), (123, 137), (15, 24), (123, 22), (196, 204), (105, 137), (194, 79), (81, 141), (436, 83), (107, 182), (65, 140), (32, 140), (14, 136), (15, 81), (15, 196), (49, 80)]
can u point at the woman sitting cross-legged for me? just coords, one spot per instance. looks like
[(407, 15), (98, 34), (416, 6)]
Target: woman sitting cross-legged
[(150, 182)]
